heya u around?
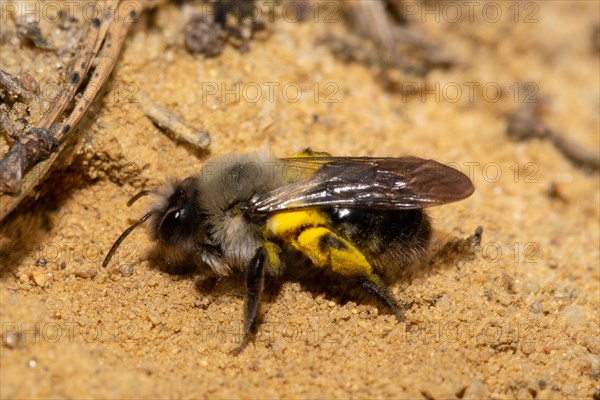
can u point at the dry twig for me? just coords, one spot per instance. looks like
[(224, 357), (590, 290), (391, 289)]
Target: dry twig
[(173, 124), (48, 137), (14, 87), (6, 126), (524, 125), (405, 47)]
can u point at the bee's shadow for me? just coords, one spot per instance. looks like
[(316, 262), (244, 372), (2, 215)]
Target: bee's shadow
[(443, 254), (314, 280)]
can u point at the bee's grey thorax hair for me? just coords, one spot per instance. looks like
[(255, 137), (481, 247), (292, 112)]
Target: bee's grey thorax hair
[(226, 185)]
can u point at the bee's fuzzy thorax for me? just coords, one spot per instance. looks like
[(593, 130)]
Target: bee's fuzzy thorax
[(226, 184)]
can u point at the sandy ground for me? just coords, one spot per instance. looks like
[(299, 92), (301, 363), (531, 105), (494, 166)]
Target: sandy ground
[(519, 320)]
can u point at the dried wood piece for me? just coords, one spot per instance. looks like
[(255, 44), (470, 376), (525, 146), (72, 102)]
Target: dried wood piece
[(6, 126), (105, 38), (404, 47), (173, 124), (26, 152), (14, 87), (35, 143), (371, 20), (524, 125)]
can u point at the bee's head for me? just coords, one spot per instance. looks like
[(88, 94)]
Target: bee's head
[(174, 220)]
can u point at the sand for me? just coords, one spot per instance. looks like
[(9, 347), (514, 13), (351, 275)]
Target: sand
[(517, 320)]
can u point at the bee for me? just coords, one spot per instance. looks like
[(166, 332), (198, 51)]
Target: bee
[(359, 217)]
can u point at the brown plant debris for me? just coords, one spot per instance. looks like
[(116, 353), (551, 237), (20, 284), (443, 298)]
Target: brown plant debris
[(225, 21), (47, 137), (173, 124), (402, 45), (15, 88), (523, 125), (459, 249), (6, 126), (204, 36), (30, 32)]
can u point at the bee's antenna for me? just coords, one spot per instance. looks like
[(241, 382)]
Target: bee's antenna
[(137, 196), (126, 233)]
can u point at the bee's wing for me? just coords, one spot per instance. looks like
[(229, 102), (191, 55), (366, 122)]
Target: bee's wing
[(382, 183)]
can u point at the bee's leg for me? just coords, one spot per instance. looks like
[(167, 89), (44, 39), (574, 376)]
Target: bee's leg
[(209, 255), (254, 288), (326, 248), (380, 290)]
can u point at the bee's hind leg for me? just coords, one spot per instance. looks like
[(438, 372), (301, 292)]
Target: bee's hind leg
[(375, 286), (254, 287), (326, 248)]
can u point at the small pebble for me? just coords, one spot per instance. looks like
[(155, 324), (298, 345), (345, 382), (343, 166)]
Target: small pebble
[(594, 360), (476, 390), (11, 340), (536, 307), (531, 287), (154, 318), (575, 316), (542, 384), (126, 270), (39, 278), (528, 347), (569, 389), (86, 272), (204, 37)]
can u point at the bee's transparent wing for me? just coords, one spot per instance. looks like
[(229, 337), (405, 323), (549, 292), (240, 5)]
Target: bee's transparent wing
[(364, 182)]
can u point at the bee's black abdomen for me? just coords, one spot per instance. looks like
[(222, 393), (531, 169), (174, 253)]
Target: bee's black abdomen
[(391, 240)]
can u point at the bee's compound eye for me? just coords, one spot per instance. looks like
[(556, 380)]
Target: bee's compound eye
[(171, 225)]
